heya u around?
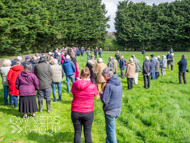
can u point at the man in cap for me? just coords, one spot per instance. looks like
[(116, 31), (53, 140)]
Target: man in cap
[(27, 61)]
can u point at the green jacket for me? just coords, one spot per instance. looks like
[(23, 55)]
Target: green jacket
[(137, 65), (88, 52), (172, 60), (111, 64)]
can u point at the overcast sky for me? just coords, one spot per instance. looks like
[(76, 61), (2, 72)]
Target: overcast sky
[(111, 6)]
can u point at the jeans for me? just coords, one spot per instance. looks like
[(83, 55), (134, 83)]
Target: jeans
[(6, 94), (146, 80), (100, 55), (85, 120), (130, 83), (110, 128), (68, 77), (54, 90), (153, 74), (82, 54), (182, 73), (122, 74), (44, 93), (95, 54), (88, 58), (15, 99)]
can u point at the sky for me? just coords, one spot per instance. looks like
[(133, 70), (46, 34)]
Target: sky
[(111, 6)]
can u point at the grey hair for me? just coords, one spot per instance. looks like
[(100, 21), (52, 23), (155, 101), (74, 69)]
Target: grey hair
[(147, 57), (6, 62), (34, 57), (55, 61), (27, 68), (108, 72), (19, 58), (17, 62)]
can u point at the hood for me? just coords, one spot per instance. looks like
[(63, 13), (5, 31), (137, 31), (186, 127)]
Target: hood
[(82, 84), (25, 74), (17, 68), (67, 60), (114, 80)]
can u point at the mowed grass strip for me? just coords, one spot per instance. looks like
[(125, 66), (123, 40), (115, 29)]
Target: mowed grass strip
[(156, 115)]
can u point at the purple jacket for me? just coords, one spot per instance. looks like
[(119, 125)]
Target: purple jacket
[(27, 83)]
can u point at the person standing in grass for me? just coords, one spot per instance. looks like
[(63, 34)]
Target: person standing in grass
[(44, 74), (147, 69), (160, 64), (100, 81), (88, 52), (93, 62), (77, 73), (100, 53), (4, 71), (137, 69), (130, 72), (157, 68), (172, 63), (82, 110), (117, 56), (182, 69), (168, 58), (82, 51), (122, 66), (11, 77), (153, 61), (111, 63), (69, 69), (163, 65), (57, 75), (27, 83), (115, 65), (111, 99), (95, 52)]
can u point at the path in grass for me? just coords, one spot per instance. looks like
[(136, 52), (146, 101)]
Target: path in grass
[(159, 114)]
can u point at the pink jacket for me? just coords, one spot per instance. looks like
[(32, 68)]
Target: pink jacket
[(77, 70), (83, 96), (62, 59)]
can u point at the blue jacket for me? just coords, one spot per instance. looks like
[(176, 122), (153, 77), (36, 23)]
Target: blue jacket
[(68, 67), (122, 64), (82, 51), (168, 56), (153, 61), (55, 55), (111, 97), (78, 52), (182, 65)]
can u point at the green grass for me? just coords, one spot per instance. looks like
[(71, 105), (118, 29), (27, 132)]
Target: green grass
[(156, 115)]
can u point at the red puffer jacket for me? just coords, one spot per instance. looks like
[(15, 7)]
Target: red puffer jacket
[(11, 77)]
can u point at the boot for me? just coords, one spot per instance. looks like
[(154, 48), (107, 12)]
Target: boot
[(48, 105), (40, 103)]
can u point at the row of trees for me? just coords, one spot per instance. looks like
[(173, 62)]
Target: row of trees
[(43, 25), (157, 27)]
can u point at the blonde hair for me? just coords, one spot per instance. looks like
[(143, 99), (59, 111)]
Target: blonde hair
[(85, 72), (121, 57), (6, 62), (131, 59)]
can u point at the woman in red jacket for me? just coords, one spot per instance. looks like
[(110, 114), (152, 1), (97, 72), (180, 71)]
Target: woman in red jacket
[(82, 109), (77, 73), (11, 77)]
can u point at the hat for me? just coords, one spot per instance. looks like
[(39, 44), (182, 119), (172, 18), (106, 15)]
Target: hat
[(43, 54), (27, 57), (42, 59), (152, 55)]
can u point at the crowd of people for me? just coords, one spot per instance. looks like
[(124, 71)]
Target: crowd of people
[(43, 73)]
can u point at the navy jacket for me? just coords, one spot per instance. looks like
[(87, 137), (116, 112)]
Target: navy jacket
[(111, 97), (95, 51), (147, 67), (82, 51), (153, 61), (182, 65), (122, 64), (55, 55), (168, 56), (68, 67), (78, 52)]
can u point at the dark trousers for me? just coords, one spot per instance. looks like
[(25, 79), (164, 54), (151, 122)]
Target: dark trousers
[(130, 83), (44, 93), (182, 73), (157, 74), (146, 80), (85, 120), (172, 68)]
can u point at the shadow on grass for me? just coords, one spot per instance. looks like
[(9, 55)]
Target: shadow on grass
[(65, 137), (7, 109), (66, 102), (169, 82)]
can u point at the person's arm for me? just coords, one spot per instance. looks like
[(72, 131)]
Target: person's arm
[(105, 96), (17, 83), (73, 67), (36, 82), (180, 62), (62, 73), (96, 70)]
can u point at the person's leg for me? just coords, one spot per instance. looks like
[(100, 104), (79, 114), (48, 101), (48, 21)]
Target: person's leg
[(77, 123), (60, 90), (72, 78), (110, 129), (128, 83), (153, 74), (15, 98), (145, 81), (184, 77), (68, 83), (180, 76), (171, 67), (10, 99), (131, 82), (148, 78), (48, 99), (136, 78), (162, 71), (122, 74), (6, 91), (87, 123), (54, 91), (40, 100)]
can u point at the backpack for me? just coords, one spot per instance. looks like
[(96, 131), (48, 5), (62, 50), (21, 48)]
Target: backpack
[(125, 63)]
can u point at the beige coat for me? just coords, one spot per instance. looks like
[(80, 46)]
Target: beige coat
[(115, 65), (98, 72), (130, 70), (56, 73)]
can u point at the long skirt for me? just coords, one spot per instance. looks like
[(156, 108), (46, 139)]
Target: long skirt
[(28, 104)]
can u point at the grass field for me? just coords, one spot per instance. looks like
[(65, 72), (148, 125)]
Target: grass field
[(160, 114)]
